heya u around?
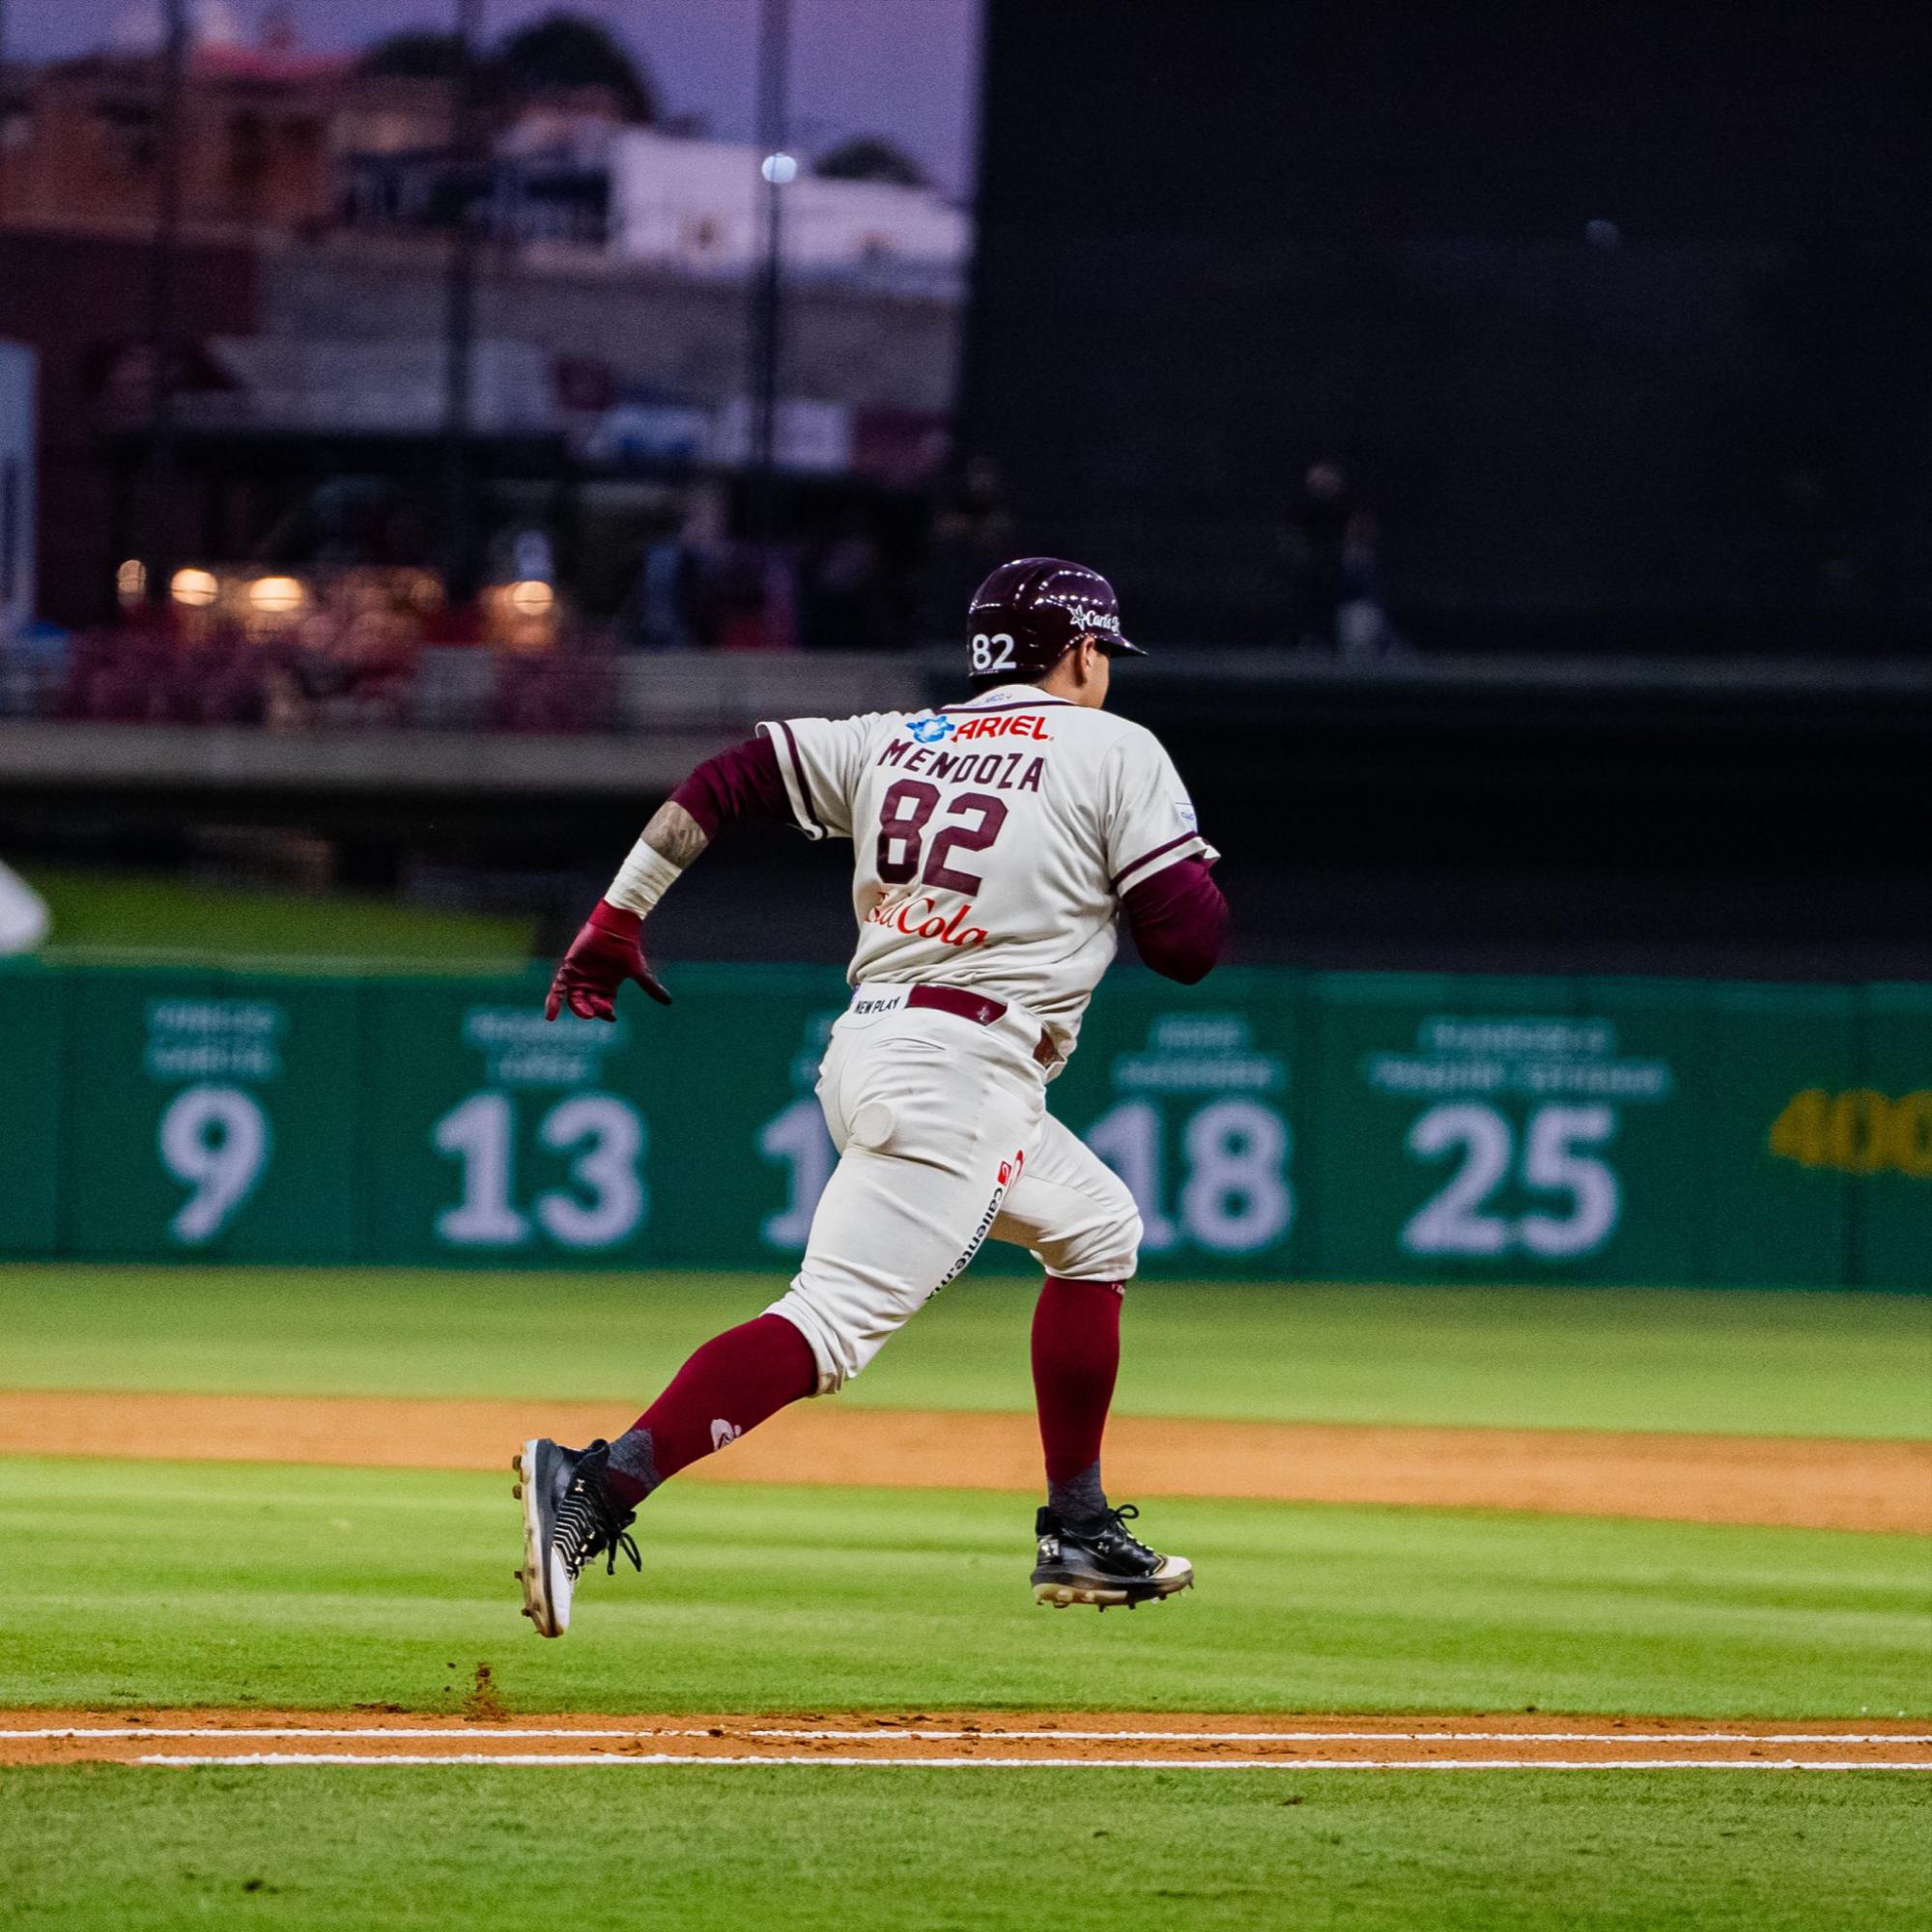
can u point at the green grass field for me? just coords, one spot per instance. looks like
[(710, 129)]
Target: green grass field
[(133, 916), (883, 1851), (218, 1584), (1734, 1362)]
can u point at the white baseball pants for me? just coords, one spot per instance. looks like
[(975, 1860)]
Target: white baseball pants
[(943, 1139)]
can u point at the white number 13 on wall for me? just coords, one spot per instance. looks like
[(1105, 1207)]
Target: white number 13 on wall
[(482, 1133)]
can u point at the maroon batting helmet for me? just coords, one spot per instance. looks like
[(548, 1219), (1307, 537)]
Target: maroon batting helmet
[(1028, 613)]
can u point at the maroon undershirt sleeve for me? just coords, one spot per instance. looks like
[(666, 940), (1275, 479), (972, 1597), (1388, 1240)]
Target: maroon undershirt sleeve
[(1180, 920), (743, 783)]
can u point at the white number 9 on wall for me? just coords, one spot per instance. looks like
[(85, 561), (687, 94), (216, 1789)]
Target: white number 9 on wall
[(215, 1141)]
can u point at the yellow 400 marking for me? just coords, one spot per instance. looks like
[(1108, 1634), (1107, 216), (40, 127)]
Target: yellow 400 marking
[(1860, 1132)]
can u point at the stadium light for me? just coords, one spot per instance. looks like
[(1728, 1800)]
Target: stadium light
[(195, 589), (130, 581), (532, 598), (276, 596)]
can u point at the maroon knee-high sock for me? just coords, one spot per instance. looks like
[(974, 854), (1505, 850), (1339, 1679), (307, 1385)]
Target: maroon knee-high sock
[(1076, 1354), (734, 1382)]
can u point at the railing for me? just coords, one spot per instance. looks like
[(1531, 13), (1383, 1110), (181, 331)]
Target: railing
[(345, 684)]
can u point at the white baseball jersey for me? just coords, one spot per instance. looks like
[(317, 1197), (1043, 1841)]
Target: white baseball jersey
[(993, 838)]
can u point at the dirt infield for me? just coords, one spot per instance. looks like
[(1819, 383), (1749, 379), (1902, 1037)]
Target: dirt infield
[(958, 1739), (1814, 1483)]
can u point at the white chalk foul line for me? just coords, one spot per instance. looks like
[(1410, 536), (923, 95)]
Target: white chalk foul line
[(279, 1760), (886, 1734), (1360, 1737)]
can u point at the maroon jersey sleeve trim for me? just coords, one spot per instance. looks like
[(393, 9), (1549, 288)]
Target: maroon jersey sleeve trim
[(1147, 858), (796, 785)]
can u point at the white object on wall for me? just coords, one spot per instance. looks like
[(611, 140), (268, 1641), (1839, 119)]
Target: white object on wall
[(24, 918)]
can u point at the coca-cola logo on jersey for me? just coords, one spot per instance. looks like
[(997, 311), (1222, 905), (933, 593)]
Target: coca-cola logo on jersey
[(920, 918)]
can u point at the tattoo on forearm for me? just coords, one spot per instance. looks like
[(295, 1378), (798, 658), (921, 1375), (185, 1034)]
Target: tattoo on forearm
[(674, 835)]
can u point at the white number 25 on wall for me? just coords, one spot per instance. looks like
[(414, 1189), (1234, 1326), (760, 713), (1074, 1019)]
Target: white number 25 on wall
[(1457, 1221)]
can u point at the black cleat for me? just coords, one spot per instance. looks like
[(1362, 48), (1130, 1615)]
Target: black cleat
[(1101, 1563), (570, 1518)]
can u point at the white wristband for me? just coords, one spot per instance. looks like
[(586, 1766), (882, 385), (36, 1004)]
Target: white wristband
[(642, 880)]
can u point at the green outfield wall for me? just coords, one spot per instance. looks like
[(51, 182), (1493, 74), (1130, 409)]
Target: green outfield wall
[(1360, 1127)]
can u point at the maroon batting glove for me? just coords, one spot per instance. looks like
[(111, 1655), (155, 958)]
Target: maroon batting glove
[(602, 955)]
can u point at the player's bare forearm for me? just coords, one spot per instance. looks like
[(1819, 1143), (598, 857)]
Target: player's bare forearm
[(673, 834)]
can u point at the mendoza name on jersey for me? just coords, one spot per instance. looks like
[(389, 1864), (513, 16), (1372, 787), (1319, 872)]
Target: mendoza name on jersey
[(999, 769)]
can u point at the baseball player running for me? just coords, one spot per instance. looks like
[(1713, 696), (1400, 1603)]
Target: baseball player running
[(996, 842)]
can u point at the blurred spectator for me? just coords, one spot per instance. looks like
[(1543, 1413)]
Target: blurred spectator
[(521, 554), (750, 602), (662, 609), (250, 648), (1334, 588), (777, 582)]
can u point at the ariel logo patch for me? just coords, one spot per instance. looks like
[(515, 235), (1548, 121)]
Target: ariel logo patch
[(931, 731)]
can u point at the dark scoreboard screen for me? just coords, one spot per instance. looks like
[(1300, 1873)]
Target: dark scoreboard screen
[(1606, 311)]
